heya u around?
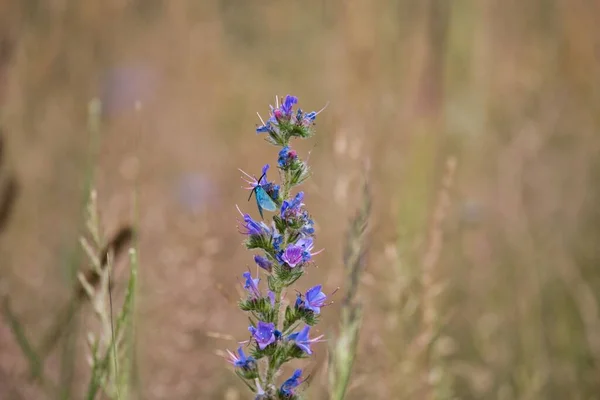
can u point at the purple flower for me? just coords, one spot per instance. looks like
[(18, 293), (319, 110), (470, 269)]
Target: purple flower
[(287, 389), (123, 86), (196, 192), (263, 262), (286, 157), (293, 255), (264, 334), (251, 227), (298, 253), (303, 341), (251, 285), (315, 299), (243, 362)]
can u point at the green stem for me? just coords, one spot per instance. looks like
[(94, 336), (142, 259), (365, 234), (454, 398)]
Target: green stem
[(272, 368)]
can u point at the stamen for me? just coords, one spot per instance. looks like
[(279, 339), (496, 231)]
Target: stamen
[(259, 117), (321, 110)]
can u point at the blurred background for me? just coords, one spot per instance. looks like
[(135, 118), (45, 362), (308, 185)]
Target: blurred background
[(480, 120)]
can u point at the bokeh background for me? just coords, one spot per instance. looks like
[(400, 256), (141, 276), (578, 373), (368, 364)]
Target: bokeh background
[(480, 120)]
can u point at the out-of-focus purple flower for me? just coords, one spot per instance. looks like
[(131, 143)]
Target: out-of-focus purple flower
[(264, 334), (195, 191), (315, 299), (251, 285), (287, 389), (122, 87), (243, 362), (263, 262), (286, 157), (303, 341)]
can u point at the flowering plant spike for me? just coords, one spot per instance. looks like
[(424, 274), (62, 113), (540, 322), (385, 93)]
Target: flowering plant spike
[(283, 251)]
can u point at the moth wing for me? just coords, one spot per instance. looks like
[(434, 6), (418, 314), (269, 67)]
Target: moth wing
[(264, 200), (260, 209)]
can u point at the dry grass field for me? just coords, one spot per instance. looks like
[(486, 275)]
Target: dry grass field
[(480, 120)]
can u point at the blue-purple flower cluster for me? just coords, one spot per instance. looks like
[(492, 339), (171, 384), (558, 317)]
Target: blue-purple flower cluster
[(280, 332)]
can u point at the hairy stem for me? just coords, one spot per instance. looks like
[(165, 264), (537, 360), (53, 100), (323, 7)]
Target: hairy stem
[(272, 368)]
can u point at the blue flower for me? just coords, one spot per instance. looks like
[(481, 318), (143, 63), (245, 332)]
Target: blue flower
[(286, 157), (243, 362), (278, 114), (303, 341), (306, 243), (288, 104), (287, 389), (251, 285), (293, 213), (315, 299), (265, 128), (285, 114), (309, 118), (263, 262), (308, 228), (292, 208), (299, 302), (277, 241), (264, 334), (305, 119)]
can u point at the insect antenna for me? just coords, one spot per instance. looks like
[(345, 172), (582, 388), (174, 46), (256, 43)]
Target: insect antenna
[(252, 192), (257, 185)]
